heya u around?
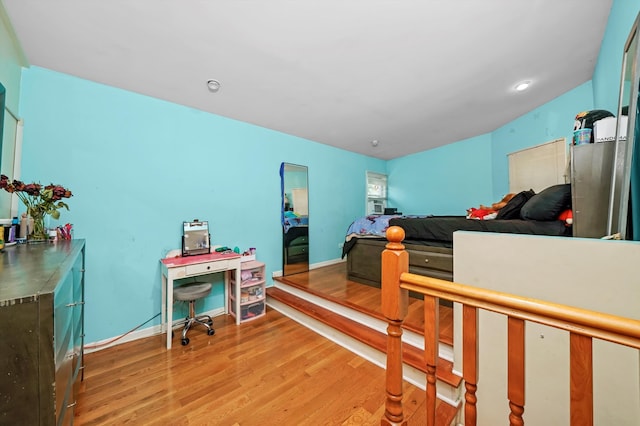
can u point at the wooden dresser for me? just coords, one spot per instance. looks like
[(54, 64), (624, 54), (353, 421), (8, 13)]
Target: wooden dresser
[(41, 331)]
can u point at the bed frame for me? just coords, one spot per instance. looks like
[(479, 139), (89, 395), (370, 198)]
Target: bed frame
[(364, 261)]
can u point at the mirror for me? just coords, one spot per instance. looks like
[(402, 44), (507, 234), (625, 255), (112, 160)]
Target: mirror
[(195, 238), (294, 190), (625, 165)]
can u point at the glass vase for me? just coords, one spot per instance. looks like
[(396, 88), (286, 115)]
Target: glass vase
[(39, 232)]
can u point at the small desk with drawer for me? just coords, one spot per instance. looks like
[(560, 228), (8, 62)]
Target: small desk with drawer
[(174, 268)]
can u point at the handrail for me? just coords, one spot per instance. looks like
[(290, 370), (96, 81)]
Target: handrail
[(583, 325), (615, 329)]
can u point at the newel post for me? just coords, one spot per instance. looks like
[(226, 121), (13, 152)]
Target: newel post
[(395, 303)]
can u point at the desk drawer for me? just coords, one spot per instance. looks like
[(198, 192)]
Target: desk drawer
[(204, 268)]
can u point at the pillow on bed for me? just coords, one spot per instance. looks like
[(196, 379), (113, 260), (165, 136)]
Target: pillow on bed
[(548, 204), (512, 209)]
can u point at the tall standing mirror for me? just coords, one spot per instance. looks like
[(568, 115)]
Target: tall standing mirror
[(625, 170), (294, 185)]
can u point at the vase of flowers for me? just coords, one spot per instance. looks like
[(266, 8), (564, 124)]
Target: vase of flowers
[(40, 201)]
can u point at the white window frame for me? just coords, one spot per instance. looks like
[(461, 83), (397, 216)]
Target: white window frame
[(11, 155), (376, 193), (539, 166)]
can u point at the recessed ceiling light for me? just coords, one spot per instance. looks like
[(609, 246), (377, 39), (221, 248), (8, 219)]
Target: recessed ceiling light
[(523, 85), (374, 142), (213, 85)]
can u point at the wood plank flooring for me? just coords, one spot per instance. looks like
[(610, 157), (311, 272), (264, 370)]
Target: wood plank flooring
[(269, 371), (330, 283)]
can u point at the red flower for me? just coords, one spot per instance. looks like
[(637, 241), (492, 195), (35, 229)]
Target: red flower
[(39, 201)]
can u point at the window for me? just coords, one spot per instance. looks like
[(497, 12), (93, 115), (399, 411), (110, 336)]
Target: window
[(538, 167), (10, 145), (376, 193)]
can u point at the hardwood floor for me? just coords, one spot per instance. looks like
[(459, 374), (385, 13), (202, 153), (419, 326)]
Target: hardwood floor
[(330, 283), (268, 371)]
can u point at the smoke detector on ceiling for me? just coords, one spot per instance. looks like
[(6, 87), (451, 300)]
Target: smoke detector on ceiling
[(213, 85)]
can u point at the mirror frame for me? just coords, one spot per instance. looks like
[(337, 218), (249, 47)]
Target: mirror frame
[(619, 202), (195, 238), (295, 229)]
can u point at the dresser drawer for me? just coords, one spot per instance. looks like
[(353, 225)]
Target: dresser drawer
[(297, 250), (203, 268), (435, 273), (442, 261), (303, 240)]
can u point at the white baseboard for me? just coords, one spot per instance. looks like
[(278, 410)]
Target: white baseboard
[(326, 263), (139, 334), (276, 274)]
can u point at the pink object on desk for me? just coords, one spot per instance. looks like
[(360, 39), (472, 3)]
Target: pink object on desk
[(200, 258)]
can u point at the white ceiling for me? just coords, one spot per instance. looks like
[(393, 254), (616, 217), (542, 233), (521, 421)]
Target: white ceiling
[(411, 74)]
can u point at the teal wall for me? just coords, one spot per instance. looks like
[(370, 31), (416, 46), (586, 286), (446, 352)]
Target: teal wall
[(450, 179), (139, 166), (607, 79), (548, 122), (442, 181), (608, 69)]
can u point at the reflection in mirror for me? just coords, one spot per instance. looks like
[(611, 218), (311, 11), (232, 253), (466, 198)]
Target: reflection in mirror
[(294, 218), (195, 238), (624, 162)]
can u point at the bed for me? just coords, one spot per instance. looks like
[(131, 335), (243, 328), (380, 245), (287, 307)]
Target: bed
[(429, 239)]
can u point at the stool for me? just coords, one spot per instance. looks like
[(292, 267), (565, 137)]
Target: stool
[(190, 293)]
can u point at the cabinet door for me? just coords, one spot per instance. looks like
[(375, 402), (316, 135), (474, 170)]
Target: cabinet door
[(78, 316), (63, 341), (20, 366), (591, 171)]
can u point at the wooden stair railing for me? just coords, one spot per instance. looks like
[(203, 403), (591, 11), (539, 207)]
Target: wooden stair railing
[(582, 325)]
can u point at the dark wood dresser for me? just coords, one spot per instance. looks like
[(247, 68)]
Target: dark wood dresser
[(364, 262), (41, 332)]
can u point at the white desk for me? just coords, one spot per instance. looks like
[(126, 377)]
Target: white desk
[(174, 268)]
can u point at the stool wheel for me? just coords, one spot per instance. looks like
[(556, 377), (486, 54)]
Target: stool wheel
[(185, 341), (211, 332)]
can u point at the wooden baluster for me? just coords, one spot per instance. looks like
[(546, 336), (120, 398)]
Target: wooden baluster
[(395, 302), (470, 362), (581, 355), (431, 344), (516, 362)]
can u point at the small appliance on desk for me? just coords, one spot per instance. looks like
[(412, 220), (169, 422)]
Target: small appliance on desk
[(195, 238)]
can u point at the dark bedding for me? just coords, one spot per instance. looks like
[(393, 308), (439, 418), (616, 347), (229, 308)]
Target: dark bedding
[(441, 229), (438, 230), (525, 213)]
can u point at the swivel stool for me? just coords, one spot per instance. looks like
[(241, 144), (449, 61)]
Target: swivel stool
[(190, 293)]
